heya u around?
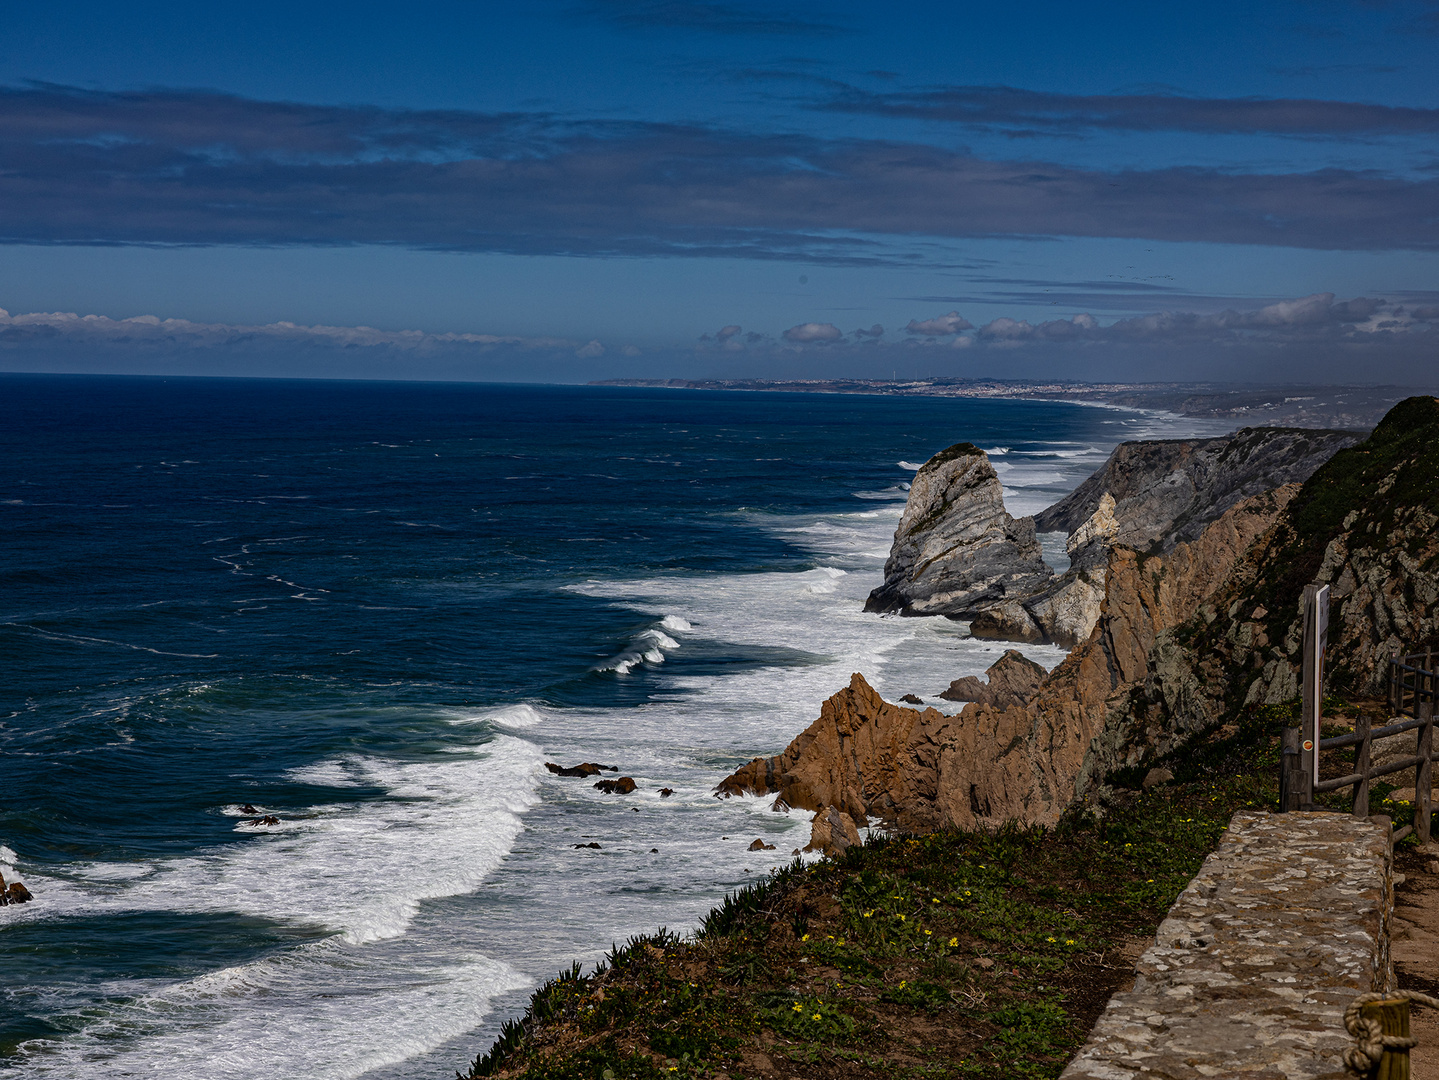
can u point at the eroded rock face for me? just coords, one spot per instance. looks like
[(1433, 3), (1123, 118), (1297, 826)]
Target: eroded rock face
[(1024, 761), (1166, 491), (832, 832), (1366, 524), (1010, 680), (957, 550)]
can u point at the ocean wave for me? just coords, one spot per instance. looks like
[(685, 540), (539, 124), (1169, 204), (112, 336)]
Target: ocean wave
[(264, 1018), (911, 466), (647, 647), (515, 717), (895, 492), (358, 869)]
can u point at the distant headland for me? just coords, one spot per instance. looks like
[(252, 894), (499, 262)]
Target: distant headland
[(1349, 407)]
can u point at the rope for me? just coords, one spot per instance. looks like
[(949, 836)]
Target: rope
[(1370, 1042)]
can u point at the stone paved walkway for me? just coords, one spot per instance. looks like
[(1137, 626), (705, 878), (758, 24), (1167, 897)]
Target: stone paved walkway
[(1252, 969)]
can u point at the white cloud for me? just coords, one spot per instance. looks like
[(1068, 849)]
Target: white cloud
[(590, 350), (813, 331), (940, 326), (151, 330), (1005, 329)]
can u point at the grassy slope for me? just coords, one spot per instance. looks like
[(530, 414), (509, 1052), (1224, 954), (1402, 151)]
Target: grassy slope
[(952, 954)]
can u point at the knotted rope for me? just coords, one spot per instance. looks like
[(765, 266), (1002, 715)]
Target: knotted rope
[(1370, 1042)]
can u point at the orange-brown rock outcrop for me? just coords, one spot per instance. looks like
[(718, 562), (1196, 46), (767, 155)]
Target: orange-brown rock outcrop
[(919, 769)]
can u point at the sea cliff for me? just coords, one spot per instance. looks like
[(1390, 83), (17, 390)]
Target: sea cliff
[(1188, 633)]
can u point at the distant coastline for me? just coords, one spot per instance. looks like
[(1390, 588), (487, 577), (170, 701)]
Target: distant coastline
[(1356, 408)]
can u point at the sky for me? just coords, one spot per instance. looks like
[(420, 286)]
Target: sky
[(568, 190)]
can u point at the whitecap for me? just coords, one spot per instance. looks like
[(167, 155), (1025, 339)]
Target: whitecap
[(647, 647), (675, 623), (911, 466), (515, 717)]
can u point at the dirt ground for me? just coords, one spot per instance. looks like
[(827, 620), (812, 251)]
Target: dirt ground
[(1415, 945)]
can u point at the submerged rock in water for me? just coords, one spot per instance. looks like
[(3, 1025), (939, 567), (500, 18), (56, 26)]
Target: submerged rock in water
[(666, 792), (591, 844), (268, 819), (911, 699), (957, 550), (1011, 680), (584, 768), (623, 786)]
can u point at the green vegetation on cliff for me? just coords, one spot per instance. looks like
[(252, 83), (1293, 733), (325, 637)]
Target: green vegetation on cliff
[(963, 954)]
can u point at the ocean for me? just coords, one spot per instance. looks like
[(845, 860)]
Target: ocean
[(374, 611)]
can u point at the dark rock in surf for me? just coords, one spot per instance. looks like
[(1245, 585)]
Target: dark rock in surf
[(910, 699), (666, 792), (15, 894), (760, 845), (623, 786), (268, 819), (584, 768), (591, 844), (248, 809)]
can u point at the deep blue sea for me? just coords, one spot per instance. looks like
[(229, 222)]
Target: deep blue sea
[(374, 611)]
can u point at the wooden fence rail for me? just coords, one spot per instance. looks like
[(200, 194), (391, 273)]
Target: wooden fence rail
[(1413, 688)]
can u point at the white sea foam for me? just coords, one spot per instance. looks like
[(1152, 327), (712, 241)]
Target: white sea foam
[(675, 623), (512, 717), (911, 466), (358, 869), (264, 1018), (646, 647)]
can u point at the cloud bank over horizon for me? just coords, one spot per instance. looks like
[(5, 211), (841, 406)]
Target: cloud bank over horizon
[(1316, 337)]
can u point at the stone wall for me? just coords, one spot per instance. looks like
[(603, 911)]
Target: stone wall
[(1252, 969)]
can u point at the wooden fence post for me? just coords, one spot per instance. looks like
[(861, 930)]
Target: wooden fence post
[(1361, 766), (1291, 770), (1393, 1017), (1424, 774)]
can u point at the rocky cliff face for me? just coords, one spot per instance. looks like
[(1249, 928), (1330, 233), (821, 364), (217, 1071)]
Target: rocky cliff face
[(1183, 640), (958, 553), (957, 550), (1366, 524), (1167, 491), (1024, 760)]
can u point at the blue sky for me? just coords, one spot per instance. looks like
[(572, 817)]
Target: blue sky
[(603, 188)]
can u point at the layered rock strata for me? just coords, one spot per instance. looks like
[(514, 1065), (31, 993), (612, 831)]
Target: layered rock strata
[(1166, 491), (1250, 973), (1184, 640), (957, 550), (1026, 761)]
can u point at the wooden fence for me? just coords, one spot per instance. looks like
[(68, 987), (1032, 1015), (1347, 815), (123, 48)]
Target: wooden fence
[(1413, 687)]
